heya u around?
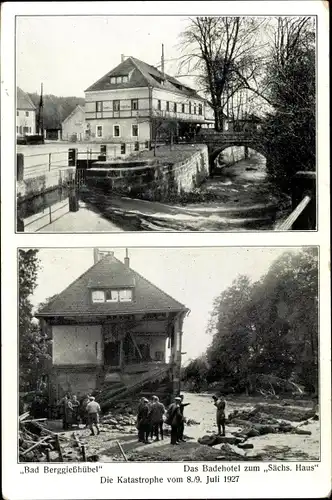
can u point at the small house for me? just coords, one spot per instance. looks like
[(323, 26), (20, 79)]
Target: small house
[(74, 127), (112, 325)]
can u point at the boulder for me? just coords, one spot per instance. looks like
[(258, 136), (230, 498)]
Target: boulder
[(253, 432), (302, 431), (245, 446)]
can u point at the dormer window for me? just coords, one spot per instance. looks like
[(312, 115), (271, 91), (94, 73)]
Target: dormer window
[(110, 295), (98, 296), (119, 79)]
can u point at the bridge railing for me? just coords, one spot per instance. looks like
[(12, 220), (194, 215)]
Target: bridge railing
[(303, 216)]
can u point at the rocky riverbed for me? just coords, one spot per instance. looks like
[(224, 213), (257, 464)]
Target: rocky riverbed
[(257, 429)]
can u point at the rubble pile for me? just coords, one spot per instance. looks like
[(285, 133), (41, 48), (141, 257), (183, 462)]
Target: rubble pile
[(36, 443), (271, 413)]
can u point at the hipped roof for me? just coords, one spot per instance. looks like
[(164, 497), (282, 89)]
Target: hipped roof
[(110, 272), (142, 75)]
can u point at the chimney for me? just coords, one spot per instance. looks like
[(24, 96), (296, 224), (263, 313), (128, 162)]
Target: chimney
[(122, 57), (162, 60), (126, 259), (100, 254), (95, 255)]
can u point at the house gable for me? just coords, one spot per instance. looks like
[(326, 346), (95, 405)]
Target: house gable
[(110, 273), (141, 74), (23, 100)]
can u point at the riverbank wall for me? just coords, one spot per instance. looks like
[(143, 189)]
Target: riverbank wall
[(34, 186), (164, 177), (233, 154)]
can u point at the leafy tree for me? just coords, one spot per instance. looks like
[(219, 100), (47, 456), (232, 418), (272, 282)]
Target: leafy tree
[(268, 329), (224, 53), (196, 372), (56, 109), (32, 343), (290, 129)]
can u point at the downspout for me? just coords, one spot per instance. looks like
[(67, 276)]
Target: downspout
[(150, 114)]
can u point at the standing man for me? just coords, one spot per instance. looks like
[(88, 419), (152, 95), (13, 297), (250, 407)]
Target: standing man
[(143, 421), (220, 404), (75, 404), (93, 410), (157, 414), (174, 419), (181, 426)]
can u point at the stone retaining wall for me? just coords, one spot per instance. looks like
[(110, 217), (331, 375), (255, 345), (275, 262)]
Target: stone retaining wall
[(30, 187), (232, 154), (157, 182)]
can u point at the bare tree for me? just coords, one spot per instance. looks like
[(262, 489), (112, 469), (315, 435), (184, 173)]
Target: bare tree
[(225, 52)]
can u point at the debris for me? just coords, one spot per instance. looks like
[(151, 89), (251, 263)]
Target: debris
[(301, 431), (122, 451), (212, 440), (245, 446), (34, 446)]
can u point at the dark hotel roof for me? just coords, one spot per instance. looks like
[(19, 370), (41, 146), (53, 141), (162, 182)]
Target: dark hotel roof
[(109, 272), (142, 75)]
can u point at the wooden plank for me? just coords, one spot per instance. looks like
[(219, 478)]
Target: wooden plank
[(34, 446), (122, 451), (59, 447), (135, 345)]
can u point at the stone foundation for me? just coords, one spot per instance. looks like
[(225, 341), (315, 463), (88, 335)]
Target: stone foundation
[(30, 187), (159, 181)]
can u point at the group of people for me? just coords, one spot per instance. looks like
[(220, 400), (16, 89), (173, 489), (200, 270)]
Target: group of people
[(151, 416), (85, 412)]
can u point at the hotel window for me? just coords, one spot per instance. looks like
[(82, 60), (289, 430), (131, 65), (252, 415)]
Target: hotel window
[(99, 131), (167, 105), (195, 109), (200, 109), (183, 108), (125, 295), (27, 113), (175, 107), (112, 295), (123, 148), (159, 104), (134, 104), (99, 106), (136, 147), (113, 79), (134, 130), (119, 79), (116, 130), (116, 105), (98, 296), (190, 108), (125, 79)]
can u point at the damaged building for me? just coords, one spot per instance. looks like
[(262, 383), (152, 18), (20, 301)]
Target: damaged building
[(112, 328)]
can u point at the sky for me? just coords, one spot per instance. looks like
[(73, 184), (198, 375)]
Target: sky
[(193, 276), (68, 54)]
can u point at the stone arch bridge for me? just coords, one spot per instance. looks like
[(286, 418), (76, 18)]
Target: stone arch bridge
[(218, 141)]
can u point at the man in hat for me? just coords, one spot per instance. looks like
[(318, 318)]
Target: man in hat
[(93, 410), (174, 419), (181, 426), (220, 404), (143, 421), (157, 414)]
